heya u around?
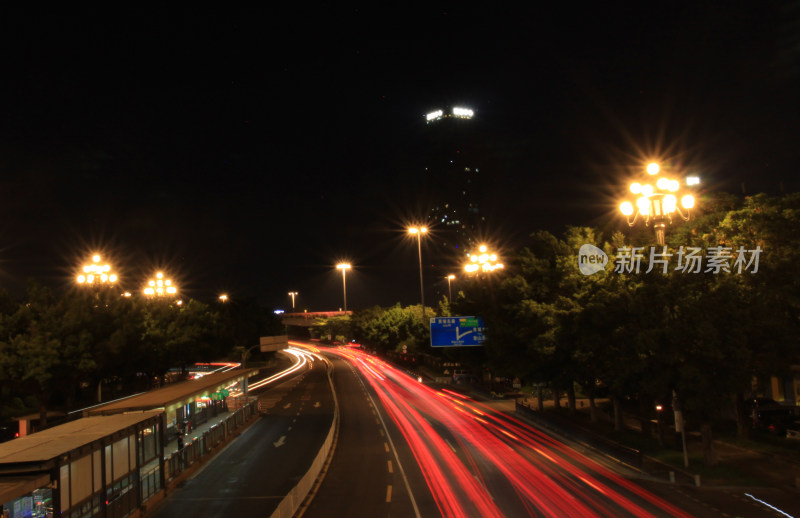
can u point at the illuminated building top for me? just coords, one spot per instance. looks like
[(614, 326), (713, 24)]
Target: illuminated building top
[(456, 112)]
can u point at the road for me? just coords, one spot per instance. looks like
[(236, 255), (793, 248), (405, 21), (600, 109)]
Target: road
[(254, 472), (458, 457), (365, 477)]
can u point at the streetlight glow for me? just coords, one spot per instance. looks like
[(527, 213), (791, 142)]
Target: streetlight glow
[(626, 208), (293, 294), (487, 261), (160, 286), (418, 231), (344, 267), (96, 272), (657, 202)]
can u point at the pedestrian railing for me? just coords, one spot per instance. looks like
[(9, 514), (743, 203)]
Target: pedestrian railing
[(201, 446), (150, 483)]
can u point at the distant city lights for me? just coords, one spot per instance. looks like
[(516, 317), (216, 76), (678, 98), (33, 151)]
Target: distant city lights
[(464, 113)]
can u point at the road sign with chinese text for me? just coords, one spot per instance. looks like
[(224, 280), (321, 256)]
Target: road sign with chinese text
[(457, 331)]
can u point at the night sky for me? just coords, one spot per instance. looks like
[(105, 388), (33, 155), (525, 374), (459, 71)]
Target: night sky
[(249, 151)]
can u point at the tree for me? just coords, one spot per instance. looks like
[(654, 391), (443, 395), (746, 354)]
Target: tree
[(30, 347)]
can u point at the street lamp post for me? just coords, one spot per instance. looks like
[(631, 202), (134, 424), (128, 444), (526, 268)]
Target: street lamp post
[(657, 203), (293, 294), (344, 267), (97, 274), (418, 231), (449, 288)]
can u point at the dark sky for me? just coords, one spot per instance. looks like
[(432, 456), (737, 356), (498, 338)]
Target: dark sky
[(248, 151)]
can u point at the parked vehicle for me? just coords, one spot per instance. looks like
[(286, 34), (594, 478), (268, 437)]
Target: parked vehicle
[(769, 415)]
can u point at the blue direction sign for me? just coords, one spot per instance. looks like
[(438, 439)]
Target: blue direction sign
[(457, 331)]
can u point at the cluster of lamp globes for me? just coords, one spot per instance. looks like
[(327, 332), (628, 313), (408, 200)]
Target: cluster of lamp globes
[(660, 199), (485, 261), (97, 274)]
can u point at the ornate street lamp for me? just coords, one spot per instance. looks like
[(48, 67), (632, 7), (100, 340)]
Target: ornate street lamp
[(96, 274), (658, 201), (484, 261), (160, 287)]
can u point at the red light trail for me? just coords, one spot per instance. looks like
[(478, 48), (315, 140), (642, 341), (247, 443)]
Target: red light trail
[(497, 456)]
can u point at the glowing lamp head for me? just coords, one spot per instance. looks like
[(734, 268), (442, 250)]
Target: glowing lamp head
[(687, 201), (343, 266), (653, 168), (636, 188), (662, 184), (96, 258), (673, 186), (647, 190), (670, 203), (692, 180), (626, 208), (81, 279), (644, 206), (451, 277)]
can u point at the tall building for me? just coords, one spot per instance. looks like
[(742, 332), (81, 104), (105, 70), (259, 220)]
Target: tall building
[(452, 160)]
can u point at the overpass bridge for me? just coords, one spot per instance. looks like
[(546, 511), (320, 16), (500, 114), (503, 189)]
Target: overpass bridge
[(310, 318)]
